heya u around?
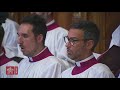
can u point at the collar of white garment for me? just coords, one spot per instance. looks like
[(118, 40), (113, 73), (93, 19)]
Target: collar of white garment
[(84, 60), (37, 54), (50, 23)]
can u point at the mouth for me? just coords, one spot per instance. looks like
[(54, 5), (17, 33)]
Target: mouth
[(68, 51), (22, 48)]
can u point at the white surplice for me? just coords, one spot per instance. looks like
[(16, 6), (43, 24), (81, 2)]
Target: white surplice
[(115, 37), (10, 42), (43, 65), (55, 41), (96, 55), (88, 68), (10, 38)]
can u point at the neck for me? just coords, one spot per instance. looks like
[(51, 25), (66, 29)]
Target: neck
[(82, 57), (49, 19), (38, 50)]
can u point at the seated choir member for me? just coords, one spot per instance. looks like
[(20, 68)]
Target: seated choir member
[(82, 38), (40, 62)]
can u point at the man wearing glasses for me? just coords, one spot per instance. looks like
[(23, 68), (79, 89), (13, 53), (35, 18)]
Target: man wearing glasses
[(82, 38)]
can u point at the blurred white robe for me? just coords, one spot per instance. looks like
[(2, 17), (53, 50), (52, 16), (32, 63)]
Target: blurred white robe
[(10, 38), (96, 55), (88, 68), (10, 42), (44, 65), (115, 37), (4, 63), (55, 41)]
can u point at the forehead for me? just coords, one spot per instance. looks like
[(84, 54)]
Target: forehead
[(75, 33), (25, 28)]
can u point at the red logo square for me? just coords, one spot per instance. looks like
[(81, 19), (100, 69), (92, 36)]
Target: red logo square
[(11, 70)]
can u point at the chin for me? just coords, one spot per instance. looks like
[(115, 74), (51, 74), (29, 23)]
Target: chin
[(70, 56), (26, 54)]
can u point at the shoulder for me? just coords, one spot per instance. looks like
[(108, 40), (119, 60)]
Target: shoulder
[(52, 60), (24, 61), (11, 22), (11, 63), (67, 72), (101, 68), (59, 31), (117, 30)]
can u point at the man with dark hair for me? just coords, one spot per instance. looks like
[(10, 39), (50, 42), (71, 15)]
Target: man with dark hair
[(40, 62), (82, 38), (55, 37)]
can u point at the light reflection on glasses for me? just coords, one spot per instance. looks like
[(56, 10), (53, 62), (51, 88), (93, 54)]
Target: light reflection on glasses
[(72, 41)]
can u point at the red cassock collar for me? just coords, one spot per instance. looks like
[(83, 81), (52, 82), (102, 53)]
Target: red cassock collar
[(44, 54), (4, 59), (52, 26), (84, 66)]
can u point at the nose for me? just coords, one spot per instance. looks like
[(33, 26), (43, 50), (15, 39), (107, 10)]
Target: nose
[(68, 44)]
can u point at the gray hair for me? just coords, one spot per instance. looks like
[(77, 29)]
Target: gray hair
[(91, 31)]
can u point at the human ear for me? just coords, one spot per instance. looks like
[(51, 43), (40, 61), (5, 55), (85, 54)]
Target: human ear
[(40, 38), (90, 44)]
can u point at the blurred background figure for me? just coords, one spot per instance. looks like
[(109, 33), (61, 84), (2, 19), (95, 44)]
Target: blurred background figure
[(10, 37), (111, 56), (10, 43), (115, 37), (7, 65)]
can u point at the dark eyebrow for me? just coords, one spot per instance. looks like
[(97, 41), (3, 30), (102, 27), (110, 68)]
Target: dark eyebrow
[(25, 35), (73, 38)]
